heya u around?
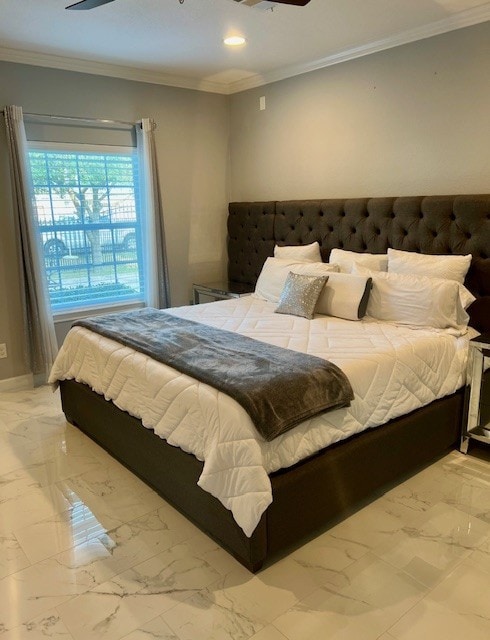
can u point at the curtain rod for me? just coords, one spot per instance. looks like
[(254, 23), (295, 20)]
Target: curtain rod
[(78, 119)]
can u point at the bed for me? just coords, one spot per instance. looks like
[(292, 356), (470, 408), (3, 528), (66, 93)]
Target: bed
[(336, 478)]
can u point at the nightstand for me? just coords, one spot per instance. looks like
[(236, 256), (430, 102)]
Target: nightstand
[(221, 290), (477, 425)]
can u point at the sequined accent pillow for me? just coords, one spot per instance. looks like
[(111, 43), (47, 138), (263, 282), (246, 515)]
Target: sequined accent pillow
[(300, 295)]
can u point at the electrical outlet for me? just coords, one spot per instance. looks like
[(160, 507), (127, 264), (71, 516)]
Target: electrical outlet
[(3, 350)]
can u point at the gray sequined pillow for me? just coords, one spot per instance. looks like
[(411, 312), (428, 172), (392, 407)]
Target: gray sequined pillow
[(300, 294)]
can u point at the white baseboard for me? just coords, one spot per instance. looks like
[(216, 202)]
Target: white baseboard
[(17, 384)]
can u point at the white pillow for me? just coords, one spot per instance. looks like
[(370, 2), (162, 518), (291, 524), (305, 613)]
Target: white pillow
[(346, 259), (300, 253), (345, 295), (465, 296), (272, 278), (417, 301), (447, 267)]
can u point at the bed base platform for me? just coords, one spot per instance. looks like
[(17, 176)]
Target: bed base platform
[(306, 497)]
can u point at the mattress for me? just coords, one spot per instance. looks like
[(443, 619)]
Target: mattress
[(392, 369)]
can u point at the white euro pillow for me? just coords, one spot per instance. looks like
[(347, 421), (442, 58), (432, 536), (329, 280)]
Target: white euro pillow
[(346, 260), (345, 295), (417, 301), (272, 278), (449, 267), (300, 253)]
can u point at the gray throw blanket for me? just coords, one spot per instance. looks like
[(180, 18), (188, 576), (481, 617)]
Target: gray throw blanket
[(278, 388)]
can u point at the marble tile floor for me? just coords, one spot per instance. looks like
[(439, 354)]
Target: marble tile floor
[(89, 552)]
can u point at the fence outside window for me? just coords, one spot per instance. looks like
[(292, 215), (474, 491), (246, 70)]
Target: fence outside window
[(88, 218)]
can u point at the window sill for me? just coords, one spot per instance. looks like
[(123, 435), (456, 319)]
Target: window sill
[(76, 314)]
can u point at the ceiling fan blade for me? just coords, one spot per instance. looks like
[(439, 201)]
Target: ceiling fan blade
[(88, 4), (298, 3)]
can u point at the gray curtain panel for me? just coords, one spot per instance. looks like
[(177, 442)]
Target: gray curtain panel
[(40, 339), (156, 279)]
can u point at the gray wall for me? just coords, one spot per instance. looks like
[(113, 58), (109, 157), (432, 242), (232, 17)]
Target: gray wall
[(406, 121), (192, 140)]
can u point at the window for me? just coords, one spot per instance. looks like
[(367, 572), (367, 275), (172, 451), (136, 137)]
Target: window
[(88, 216)]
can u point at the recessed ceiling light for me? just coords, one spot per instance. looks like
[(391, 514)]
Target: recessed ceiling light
[(234, 41)]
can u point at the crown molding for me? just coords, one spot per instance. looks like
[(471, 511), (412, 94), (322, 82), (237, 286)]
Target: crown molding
[(65, 63), (460, 20)]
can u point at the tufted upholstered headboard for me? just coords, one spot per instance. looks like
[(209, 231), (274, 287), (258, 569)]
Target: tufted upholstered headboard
[(426, 224)]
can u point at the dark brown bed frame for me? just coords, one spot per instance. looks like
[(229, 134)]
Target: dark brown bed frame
[(309, 495)]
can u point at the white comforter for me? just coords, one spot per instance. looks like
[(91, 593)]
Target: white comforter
[(392, 369)]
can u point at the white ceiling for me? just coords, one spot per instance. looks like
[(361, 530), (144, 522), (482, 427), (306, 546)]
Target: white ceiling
[(166, 42)]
